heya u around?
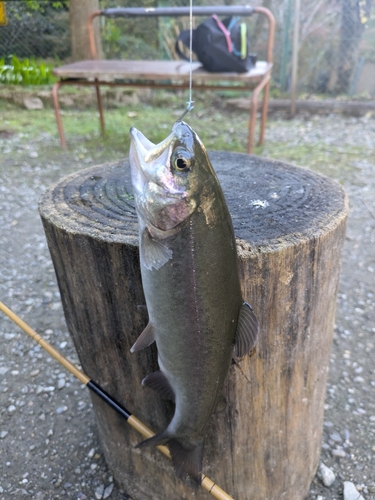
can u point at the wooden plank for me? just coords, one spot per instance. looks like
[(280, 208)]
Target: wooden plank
[(108, 70)]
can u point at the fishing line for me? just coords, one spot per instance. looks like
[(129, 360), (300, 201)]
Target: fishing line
[(131, 419), (190, 103)]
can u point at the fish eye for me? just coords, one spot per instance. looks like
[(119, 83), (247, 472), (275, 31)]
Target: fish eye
[(181, 160)]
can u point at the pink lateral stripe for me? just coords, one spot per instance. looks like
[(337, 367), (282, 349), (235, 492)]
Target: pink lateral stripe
[(225, 31)]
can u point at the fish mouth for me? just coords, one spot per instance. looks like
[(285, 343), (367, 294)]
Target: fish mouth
[(151, 161), (148, 151)]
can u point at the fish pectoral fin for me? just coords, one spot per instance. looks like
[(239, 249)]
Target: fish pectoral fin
[(187, 462), (221, 405), (159, 383), (146, 338), (247, 331), (153, 253)]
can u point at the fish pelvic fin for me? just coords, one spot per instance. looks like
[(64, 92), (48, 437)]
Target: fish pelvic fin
[(153, 253), (159, 383), (187, 462), (146, 338), (247, 331)]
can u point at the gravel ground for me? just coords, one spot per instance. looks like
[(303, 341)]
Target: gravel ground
[(48, 442)]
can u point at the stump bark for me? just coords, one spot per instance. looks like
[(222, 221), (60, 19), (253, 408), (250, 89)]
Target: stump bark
[(290, 227)]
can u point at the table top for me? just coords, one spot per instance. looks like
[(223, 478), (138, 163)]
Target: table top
[(108, 70)]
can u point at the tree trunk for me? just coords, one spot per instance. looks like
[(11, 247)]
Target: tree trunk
[(290, 227), (350, 37), (79, 12)]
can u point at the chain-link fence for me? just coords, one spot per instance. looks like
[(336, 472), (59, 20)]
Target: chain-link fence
[(38, 30), (336, 49)]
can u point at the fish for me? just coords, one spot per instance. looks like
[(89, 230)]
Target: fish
[(188, 261)]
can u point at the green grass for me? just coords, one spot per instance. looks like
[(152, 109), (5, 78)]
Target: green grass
[(219, 129)]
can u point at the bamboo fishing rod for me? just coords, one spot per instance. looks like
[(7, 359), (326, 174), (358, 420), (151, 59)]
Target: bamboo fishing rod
[(206, 483)]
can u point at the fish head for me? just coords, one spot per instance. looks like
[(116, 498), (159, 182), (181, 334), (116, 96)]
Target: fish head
[(168, 177)]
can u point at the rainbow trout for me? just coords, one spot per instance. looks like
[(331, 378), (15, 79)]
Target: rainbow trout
[(189, 273)]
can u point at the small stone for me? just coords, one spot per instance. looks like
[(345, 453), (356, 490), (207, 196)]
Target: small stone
[(58, 482), (108, 491), (41, 389), (328, 476), (11, 409), (99, 492), (15, 372), (339, 452), (351, 492), (63, 345), (33, 154), (32, 103), (42, 416), (372, 418), (336, 437), (61, 409), (34, 373), (359, 379), (3, 370), (50, 433), (3, 434), (91, 453), (61, 383)]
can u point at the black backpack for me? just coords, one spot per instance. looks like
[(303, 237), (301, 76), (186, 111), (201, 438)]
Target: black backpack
[(221, 46)]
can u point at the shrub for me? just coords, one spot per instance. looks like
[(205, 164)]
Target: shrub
[(25, 72)]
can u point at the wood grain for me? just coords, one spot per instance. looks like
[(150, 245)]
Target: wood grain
[(290, 227)]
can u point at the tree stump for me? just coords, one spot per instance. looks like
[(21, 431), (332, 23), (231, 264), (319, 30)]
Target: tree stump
[(290, 227)]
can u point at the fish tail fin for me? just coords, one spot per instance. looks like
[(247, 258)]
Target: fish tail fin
[(159, 439), (187, 462)]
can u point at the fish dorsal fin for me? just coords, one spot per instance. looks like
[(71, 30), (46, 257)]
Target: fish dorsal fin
[(247, 330), (159, 383), (153, 253), (146, 338)]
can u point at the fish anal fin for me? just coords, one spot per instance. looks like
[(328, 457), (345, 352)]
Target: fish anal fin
[(247, 331), (146, 338), (153, 253), (221, 405), (159, 383), (187, 462)]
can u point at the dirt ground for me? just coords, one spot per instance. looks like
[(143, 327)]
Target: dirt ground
[(48, 442)]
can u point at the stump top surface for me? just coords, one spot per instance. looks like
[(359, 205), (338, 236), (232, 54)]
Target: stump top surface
[(271, 203)]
